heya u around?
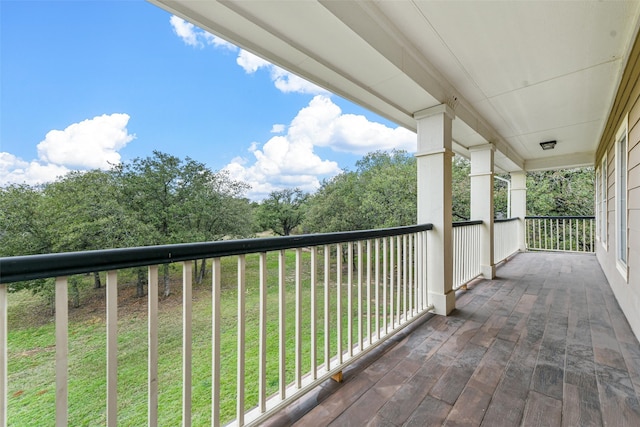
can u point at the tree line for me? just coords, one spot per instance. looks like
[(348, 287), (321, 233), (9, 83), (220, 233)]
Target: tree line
[(162, 199), (382, 192), (156, 200)]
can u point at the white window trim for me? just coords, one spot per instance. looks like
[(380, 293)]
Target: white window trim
[(622, 132), (597, 205), (604, 203)]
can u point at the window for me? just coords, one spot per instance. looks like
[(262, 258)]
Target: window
[(603, 201), (598, 198), (621, 198)]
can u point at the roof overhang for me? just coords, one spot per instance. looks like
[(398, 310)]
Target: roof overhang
[(516, 73)]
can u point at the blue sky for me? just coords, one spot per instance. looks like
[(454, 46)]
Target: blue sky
[(88, 83)]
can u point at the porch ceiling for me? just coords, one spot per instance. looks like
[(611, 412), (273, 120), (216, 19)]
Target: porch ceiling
[(518, 73)]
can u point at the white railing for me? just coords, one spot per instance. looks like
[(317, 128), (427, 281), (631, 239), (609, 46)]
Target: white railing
[(561, 233), (505, 238), (348, 293), (466, 252)]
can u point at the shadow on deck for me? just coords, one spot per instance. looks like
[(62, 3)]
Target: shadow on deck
[(545, 343)]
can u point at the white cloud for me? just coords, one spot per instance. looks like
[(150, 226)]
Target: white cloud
[(218, 42), (281, 164), (355, 134), (194, 36), (323, 123), (283, 80), (185, 30), (278, 128), (14, 170), (289, 160), (287, 83), (250, 63), (90, 144)]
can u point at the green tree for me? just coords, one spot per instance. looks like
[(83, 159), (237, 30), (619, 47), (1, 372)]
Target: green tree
[(388, 186), (149, 186), (212, 204), (183, 201), (565, 192), (501, 197), (336, 206), (87, 213), (26, 230), (25, 225), (381, 192), (283, 210), (461, 188), (213, 208), (160, 199)]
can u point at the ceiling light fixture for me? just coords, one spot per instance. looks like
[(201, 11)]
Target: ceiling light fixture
[(548, 145)]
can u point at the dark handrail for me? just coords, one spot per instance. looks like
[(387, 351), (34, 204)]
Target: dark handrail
[(30, 267), (465, 223), (506, 219), (560, 217)]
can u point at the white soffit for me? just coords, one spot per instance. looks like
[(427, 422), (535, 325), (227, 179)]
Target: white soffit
[(531, 69), (505, 46), (571, 136)]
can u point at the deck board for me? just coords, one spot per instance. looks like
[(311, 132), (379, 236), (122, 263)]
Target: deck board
[(545, 343)]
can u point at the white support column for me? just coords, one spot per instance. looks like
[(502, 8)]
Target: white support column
[(482, 204), (434, 202), (519, 204)]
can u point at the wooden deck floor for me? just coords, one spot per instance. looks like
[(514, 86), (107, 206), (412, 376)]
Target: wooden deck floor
[(543, 344)]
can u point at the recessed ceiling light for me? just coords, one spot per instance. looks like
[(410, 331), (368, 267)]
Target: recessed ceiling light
[(548, 145)]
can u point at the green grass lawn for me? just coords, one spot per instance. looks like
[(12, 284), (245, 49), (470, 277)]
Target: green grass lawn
[(32, 350)]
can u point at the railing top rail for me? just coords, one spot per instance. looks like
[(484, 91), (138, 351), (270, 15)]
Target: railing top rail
[(515, 218), (30, 267), (466, 223), (561, 217)]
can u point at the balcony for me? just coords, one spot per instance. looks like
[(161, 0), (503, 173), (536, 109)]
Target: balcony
[(546, 336), (545, 343)]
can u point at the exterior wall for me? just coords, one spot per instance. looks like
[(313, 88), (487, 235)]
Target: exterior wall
[(626, 107)]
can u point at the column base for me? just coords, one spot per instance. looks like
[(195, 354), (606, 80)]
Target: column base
[(488, 271), (443, 304)]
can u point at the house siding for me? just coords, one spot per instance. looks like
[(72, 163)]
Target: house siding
[(626, 107), (611, 191)]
